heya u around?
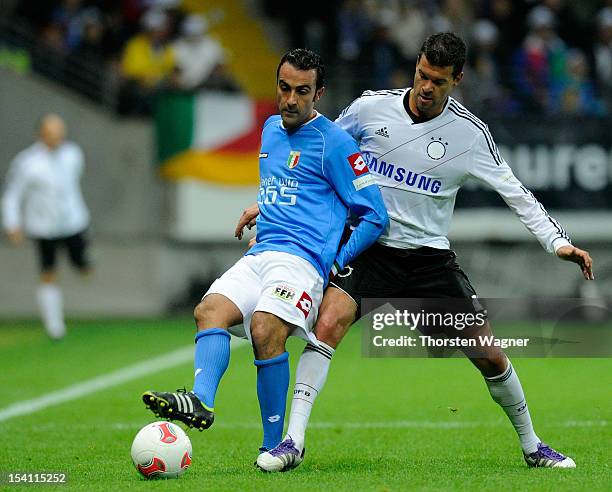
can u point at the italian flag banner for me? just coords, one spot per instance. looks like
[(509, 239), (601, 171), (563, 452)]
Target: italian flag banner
[(210, 136)]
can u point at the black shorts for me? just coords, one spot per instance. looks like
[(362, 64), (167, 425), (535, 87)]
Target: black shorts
[(389, 273), (76, 245)]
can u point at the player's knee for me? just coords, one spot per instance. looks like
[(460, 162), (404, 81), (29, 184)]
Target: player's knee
[(494, 364), (268, 342), (330, 329), (202, 315), (499, 362), (262, 336)]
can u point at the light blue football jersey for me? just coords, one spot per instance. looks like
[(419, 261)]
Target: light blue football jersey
[(310, 179)]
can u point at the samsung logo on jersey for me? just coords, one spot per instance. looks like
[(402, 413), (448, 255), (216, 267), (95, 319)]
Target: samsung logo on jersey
[(402, 175)]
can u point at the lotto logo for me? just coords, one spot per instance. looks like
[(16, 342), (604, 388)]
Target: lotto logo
[(358, 164), (304, 304)]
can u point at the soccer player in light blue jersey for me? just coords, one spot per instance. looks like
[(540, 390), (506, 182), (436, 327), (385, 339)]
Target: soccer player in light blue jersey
[(312, 176)]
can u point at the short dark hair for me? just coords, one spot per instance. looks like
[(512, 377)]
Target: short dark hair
[(444, 49), (304, 59)]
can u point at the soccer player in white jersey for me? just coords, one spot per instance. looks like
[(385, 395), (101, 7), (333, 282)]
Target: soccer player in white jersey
[(421, 145), (43, 201)]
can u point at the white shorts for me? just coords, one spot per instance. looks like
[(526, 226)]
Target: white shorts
[(274, 282)]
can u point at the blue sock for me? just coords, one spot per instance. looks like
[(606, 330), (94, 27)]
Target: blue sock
[(212, 355), (272, 386)]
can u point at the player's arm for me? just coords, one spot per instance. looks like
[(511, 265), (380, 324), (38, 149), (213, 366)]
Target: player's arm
[(349, 176), (11, 202), (489, 167)]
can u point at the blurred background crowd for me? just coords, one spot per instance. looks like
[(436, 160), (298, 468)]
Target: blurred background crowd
[(167, 99), (549, 56)]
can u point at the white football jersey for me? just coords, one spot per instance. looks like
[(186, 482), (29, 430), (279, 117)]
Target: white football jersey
[(419, 168), (43, 195)]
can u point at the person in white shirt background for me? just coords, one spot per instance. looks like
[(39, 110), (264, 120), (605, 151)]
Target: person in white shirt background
[(200, 59), (43, 201)]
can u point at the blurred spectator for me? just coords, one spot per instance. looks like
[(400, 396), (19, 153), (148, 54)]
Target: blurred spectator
[(85, 66), (147, 65), (354, 26), (575, 93), (68, 16), (483, 89), (116, 33), (48, 55), (509, 18), (540, 62), (200, 59), (381, 54), (409, 28), (90, 48), (52, 38), (454, 15), (603, 55)]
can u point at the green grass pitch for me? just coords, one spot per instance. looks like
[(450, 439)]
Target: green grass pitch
[(380, 424)]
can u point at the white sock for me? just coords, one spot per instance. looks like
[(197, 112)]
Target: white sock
[(310, 377), (506, 390), (51, 307)]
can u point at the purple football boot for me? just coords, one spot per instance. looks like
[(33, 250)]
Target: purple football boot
[(283, 457), (547, 457)]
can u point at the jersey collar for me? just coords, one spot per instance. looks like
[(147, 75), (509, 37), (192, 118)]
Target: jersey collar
[(317, 114), (408, 117)]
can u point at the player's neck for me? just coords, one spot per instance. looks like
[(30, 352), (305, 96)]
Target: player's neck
[(312, 116), (412, 110)]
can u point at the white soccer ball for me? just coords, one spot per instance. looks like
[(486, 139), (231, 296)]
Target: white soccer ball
[(161, 450)]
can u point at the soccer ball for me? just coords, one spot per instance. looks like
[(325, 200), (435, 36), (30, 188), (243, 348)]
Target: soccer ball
[(161, 450)]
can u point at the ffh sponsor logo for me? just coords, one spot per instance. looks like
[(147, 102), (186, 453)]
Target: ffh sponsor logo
[(358, 164), (304, 304), (284, 292)]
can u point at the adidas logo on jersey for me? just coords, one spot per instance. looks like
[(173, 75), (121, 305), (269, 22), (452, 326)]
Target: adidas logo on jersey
[(382, 132)]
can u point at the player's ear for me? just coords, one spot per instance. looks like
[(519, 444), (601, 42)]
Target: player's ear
[(318, 94), (458, 78)]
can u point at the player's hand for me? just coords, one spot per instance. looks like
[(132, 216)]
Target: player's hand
[(579, 256), (15, 236), (247, 219), (252, 242)]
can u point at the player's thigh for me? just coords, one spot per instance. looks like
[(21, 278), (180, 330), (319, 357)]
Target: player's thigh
[(231, 298), (217, 311), (291, 289), (47, 255), (439, 275), (336, 315), (77, 246), (443, 278)]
